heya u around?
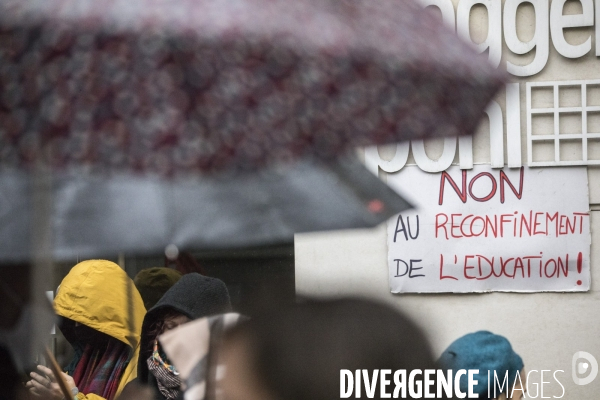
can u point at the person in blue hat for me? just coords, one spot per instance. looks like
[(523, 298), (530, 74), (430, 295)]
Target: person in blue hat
[(493, 356)]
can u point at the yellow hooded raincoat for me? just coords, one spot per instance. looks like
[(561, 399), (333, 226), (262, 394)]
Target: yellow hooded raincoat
[(99, 294)]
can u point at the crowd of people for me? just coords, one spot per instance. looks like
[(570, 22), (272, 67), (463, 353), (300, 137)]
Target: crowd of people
[(115, 324)]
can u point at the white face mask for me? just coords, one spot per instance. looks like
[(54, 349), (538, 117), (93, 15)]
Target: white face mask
[(18, 339)]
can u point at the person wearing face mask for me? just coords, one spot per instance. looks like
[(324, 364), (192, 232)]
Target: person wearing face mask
[(193, 296), (101, 315)]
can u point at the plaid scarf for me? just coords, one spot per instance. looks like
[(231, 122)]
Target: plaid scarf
[(100, 368), (166, 375)]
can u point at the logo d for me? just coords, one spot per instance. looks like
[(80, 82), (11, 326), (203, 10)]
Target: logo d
[(583, 367)]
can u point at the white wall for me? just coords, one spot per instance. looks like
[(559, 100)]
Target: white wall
[(544, 328)]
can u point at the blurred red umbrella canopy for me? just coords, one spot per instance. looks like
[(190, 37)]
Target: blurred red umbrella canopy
[(205, 85)]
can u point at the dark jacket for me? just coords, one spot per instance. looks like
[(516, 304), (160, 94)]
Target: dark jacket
[(10, 380), (194, 296)]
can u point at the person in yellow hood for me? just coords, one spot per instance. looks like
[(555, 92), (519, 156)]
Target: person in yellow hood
[(101, 314)]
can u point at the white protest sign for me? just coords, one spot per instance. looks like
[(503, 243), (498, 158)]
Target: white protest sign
[(490, 229)]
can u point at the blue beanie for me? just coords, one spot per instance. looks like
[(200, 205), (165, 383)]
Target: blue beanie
[(484, 351)]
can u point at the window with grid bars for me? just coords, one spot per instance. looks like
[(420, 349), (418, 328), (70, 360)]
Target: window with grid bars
[(563, 123)]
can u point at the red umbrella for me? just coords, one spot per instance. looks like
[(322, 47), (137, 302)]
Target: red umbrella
[(197, 86), (203, 85)]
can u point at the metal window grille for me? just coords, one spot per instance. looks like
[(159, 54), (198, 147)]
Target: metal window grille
[(563, 123)]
